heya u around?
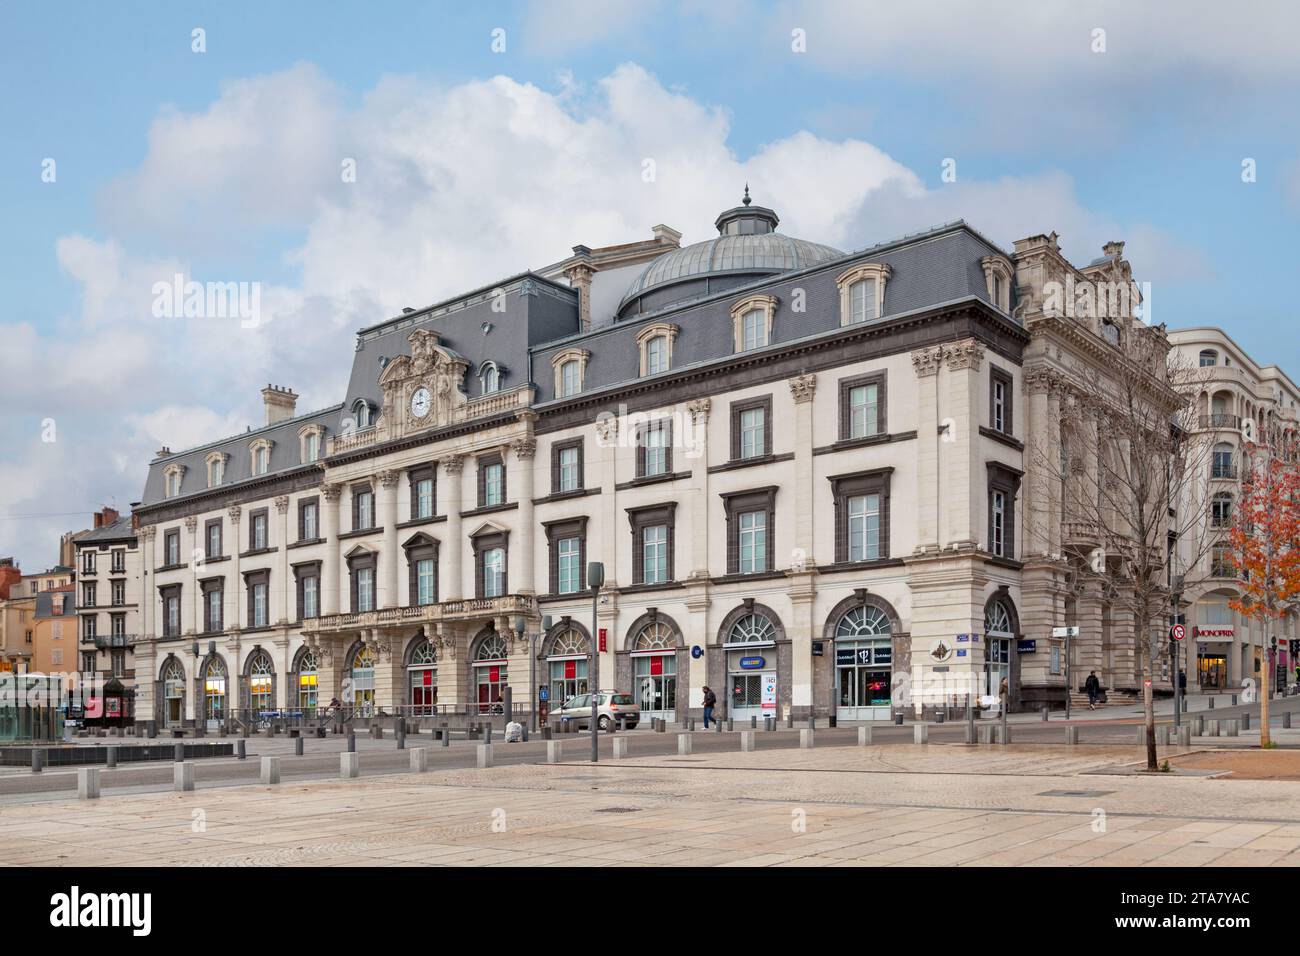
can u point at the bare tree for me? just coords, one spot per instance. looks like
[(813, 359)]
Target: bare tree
[(1139, 486)]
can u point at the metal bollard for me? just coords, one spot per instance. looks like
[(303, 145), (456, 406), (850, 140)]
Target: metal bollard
[(110, 758), (1004, 734), (921, 734), (1234, 700), (898, 720), (446, 737), (746, 741), (487, 736), (1286, 720), (970, 733), (731, 724), (1044, 712), (620, 748), (178, 752), (806, 739), (270, 771), (1185, 736), (683, 744), (241, 750), (1071, 736), (349, 765), (1211, 704), (553, 751), (864, 736), (484, 756), (789, 722), (717, 726), (352, 742), (183, 776), (88, 783), (297, 746), (524, 729), (753, 723), (420, 759)]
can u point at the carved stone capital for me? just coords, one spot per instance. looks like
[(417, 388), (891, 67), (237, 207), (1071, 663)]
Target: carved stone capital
[(803, 387), (699, 410), (191, 522), (234, 513), (524, 448), (389, 478), (282, 504), (331, 491), (452, 464), (1039, 381), (607, 429), (148, 532), (926, 361), (966, 354)]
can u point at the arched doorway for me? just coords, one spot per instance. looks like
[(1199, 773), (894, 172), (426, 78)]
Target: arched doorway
[(362, 677), (422, 678), (749, 642), (568, 651), (653, 647), (216, 681), (1000, 628), (260, 672), (489, 672), (864, 660), (173, 688), (308, 671)]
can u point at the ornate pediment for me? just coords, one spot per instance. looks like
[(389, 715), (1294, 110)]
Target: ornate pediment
[(422, 390)]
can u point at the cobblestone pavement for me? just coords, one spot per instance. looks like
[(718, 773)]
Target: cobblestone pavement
[(934, 805)]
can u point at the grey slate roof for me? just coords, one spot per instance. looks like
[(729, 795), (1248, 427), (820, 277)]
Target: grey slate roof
[(119, 530)]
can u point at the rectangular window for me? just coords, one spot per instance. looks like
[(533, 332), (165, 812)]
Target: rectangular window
[(494, 572), (117, 625), (88, 562), (309, 602), (88, 595), (308, 520), (213, 539), (999, 518), (570, 379), (753, 330), (862, 406), (1000, 401), (569, 468), (365, 585), (862, 301), (172, 548), (172, 614), (753, 541), (493, 485), (118, 593), (363, 509), (653, 452), (118, 657), (88, 662), (423, 493), (654, 550), (569, 560), (753, 432), (257, 531), (257, 603), (864, 527), (213, 610), (656, 355), (425, 592), (89, 627), (119, 560)]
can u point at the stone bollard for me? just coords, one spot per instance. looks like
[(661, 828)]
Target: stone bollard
[(1211, 703), (552, 751), (88, 783), (812, 723), (1234, 700), (270, 771), (1004, 734), (746, 741), (1234, 728), (1072, 736), (691, 723), (1044, 712), (921, 734), (420, 759), (487, 735), (1245, 721), (806, 739), (1212, 728), (178, 752), (352, 742), (898, 720), (484, 756), (731, 724), (683, 744), (110, 758), (717, 726), (183, 776), (970, 733), (446, 737), (1185, 736), (297, 746), (620, 748), (1286, 720), (1198, 726), (985, 733), (349, 765), (789, 722), (1162, 735), (864, 736), (241, 750)]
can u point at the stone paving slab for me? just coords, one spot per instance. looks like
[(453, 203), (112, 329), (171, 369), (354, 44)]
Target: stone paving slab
[(902, 806)]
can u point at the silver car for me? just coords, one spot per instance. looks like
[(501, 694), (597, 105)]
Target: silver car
[(610, 707)]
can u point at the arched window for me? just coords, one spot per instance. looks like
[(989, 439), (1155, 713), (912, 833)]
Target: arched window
[(999, 632), (864, 663), (173, 678), (261, 677), (490, 377), (867, 621), (654, 637), (308, 683), (422, 679), (750, 629), (214, 688), (654, 670), (363, 680), (361, 413), (490, 672), (1209, 357), (567, 664)]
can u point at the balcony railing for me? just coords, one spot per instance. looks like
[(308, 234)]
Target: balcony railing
[(103, 641), (1220, 420), (509, 604), (479, 407), (1227, 472)]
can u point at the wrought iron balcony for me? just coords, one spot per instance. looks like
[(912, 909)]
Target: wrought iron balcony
[(450, 611), (1220, 420)]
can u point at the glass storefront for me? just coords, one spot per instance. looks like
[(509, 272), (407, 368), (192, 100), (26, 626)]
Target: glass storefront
[(422, 681), (363, 681), (1212, 670), (864, 660), (173, 693), (654, 672), (490, 674), (214, 691), (567, 666), (751, 668)]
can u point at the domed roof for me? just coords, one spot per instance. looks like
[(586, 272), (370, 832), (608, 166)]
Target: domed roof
[(746, 245)]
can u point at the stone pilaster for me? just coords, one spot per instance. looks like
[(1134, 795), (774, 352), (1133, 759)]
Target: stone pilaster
[(524, 472), (390, 594), (282, 586), (234, 586), (960, 482), (452, 581), (699, 410), (607, 438), (926, 363), (331, 576), (195, 562)]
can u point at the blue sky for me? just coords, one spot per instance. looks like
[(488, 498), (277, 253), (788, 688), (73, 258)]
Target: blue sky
[(475, 163)]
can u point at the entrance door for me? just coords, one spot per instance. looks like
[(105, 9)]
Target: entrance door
[(654, 680), (863, 673), (747, 677), (1213, 671)]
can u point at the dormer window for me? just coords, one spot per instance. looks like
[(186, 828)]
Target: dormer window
[(570, 371), (260, 451), (997, 279), (1209, 357), (309, 441), (172, 475), (1110, 332), (656, 344), (489, 377), (751, 320), (216, 468), (862, 292), (362, 414)]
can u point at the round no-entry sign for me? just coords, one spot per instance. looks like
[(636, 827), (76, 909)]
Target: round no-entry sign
[(1178, 632)]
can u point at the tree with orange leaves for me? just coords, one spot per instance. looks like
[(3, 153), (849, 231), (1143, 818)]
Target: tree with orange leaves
[(1263, 548)]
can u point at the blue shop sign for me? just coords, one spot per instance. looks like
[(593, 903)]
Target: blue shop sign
[(752, 663), (961, 638), (1027, 647), (961, 652)]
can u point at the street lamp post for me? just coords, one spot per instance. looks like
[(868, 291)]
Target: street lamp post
[(532, 669), (595, 579)]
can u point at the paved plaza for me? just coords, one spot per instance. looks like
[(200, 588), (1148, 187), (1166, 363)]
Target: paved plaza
[(940, 804)]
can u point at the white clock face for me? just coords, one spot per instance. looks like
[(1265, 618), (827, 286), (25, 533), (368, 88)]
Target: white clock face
[(420, 402)]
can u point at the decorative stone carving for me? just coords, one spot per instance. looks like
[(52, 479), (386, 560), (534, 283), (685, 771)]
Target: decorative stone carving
[(966, 354), (803, 387), (926, 361), (191, 522), (282, 504), (452, 464), (607, 429), (524, 448), (1039, 381), (331, 491), (430, 367), (234, 513), (389, 478), (699, 409)]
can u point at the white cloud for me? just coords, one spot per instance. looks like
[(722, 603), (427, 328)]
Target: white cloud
[(456, 186)]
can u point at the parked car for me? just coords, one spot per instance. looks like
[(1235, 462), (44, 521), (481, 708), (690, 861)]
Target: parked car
[(610, 706)]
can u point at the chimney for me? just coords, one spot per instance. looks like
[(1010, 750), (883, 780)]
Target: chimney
[(106, 517), (162, 452), (99, 519), (666, 235), (280, 403)]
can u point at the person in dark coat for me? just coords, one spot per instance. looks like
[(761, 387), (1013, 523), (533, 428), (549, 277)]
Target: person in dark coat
[(1093, 687), (710, 701)]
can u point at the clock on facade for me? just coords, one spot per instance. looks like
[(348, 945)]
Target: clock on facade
[(420, 402)]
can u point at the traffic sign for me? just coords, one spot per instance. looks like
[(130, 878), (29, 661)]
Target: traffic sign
[(1178, 632)]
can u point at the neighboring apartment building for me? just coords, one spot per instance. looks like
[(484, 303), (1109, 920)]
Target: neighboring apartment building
[(802, 469), (109, 587), (1236, 398), (54, 643), (61, 575), (17, 622)]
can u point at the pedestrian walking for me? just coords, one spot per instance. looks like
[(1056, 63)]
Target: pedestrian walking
[(1093, 687), (710, 701)]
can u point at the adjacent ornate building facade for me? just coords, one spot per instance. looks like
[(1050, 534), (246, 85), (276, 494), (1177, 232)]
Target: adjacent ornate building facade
[(806, 473)]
